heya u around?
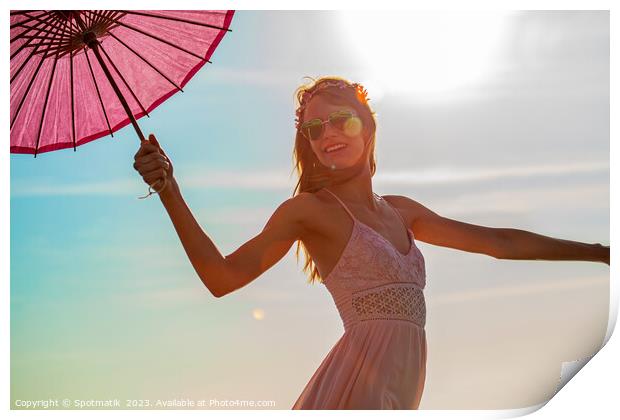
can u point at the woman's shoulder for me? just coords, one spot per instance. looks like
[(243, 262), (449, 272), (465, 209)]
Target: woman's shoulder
[(311, 199), (411, 209), (311, 207), (294, 215), (310, 202)]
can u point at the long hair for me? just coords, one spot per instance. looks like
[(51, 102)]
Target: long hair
[(309, 169)]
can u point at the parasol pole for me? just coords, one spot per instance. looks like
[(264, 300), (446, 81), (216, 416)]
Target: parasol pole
[(90, 39)]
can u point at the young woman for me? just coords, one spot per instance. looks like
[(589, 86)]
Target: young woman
[(359, 244)]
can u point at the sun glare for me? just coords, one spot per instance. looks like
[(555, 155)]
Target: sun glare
[(258, 314), (425, 52)]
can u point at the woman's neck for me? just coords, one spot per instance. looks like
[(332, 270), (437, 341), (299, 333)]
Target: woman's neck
[(357, 191)]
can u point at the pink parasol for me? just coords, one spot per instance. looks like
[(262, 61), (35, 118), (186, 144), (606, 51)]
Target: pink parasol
[(78, 75)]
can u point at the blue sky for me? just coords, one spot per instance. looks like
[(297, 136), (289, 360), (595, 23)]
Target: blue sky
[(98, 274)]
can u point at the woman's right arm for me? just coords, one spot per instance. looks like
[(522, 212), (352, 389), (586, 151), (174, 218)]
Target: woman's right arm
[(208, 262), (225, 274)]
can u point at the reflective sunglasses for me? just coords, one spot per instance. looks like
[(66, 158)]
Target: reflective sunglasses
[(313, 129)]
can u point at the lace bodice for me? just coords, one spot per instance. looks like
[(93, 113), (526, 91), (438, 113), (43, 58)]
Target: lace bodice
[(373, 280), (392, 301)]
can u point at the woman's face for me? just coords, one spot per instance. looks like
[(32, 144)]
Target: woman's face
[(352, 139)]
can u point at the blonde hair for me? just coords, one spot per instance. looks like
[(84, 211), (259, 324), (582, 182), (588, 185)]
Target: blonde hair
[(304, 159)]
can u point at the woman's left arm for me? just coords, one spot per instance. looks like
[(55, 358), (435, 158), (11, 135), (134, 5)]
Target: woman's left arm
[(501, 243), (524, 245)]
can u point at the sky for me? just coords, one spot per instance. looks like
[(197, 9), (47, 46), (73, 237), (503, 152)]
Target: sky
[(494, 119)]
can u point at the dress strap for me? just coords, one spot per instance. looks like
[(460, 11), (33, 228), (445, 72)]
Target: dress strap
[(343, 205), (396, 210)]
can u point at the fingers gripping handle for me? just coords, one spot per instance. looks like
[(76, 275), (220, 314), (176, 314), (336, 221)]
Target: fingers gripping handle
[(155, 190)]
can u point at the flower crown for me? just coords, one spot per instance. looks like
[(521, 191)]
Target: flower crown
[(362, 95)]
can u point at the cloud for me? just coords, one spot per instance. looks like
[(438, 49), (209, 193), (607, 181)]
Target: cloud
[(526, 200), (33, 188), (172, 296), (505, 291), (452, 175), (282, 179)]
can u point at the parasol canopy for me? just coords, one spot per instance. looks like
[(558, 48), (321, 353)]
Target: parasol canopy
[(79, 75)]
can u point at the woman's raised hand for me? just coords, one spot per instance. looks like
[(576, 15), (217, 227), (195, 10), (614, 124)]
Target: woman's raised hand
[(152, 163)]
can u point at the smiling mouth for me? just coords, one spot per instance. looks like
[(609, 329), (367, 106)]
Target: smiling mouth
[(338, 149)]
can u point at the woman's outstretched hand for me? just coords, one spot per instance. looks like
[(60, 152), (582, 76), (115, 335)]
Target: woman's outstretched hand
[(152, 163)]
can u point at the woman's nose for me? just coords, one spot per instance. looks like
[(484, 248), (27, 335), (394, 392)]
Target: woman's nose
[(330, 131)]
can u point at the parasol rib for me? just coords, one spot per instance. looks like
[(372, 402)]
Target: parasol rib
[(72, 100), (47, 95), (21, 102), (93, 43), (145, 60), (87, 19), (176, 19), (29, 28), (123, 79), (64, 24), (40, 37), (30, 18), (22, 12), (98, 93), (64, 45), (52, 29), (29, 37), (27, 43), (100, 17), (24, 64), (44, 21), (115, 20), (72, 24), (71, 86)]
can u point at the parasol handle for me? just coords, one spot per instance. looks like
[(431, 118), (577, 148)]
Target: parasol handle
[(90, 39)]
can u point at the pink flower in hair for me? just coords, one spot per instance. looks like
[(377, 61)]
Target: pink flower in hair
[(361, 93)]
